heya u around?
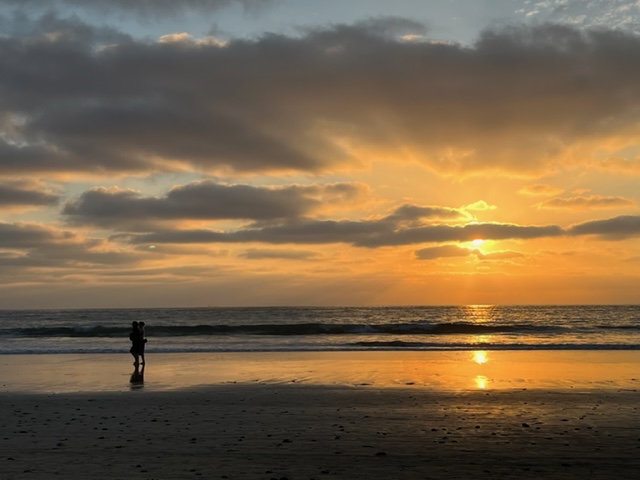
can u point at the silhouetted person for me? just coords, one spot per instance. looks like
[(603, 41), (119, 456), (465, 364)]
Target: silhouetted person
[(144, 340), (137, 343)]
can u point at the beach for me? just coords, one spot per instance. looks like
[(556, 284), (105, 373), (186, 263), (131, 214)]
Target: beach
[(324, 415)]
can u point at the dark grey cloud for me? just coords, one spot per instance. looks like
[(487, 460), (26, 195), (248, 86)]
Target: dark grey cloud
[(414, 213), (16, 159), (624, 226), (143, 9), (270, 254), (513, 102), (301, 232), (387, 27), (287, 224), (67, 256), (463, 233), (23, 235), (30, 245), (24, 194), (63, 30), (372, 234), (204, 200), (387, 232)]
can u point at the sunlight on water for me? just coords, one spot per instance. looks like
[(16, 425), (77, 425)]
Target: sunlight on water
[(477, 313)]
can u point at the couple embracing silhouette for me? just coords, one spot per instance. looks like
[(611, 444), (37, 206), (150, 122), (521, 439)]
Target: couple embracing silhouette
[(138, 340)]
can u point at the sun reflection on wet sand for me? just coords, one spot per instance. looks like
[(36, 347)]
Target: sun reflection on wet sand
[(481, 382), (480, 357), (446, 370)]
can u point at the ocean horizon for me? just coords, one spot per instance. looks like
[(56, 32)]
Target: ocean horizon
[(256, 329)]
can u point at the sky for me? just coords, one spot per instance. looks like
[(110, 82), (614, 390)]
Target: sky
[(176, 153)]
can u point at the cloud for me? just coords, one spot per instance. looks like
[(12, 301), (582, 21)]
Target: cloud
[(25, 194), (16, 159), (393, 28), (270, 254), (35, 246), (582, 202), (24, 235), (627, 165), (302, 230), (519, 101), (460, 233), (624, 226), (184, 37), (621, 14), (480, 206), (384, 232), (540, 190), (143, 9), (413, 214), (204, 200), (500, 255), (50, 28), (363, 233), (431, 253), (448, 251)]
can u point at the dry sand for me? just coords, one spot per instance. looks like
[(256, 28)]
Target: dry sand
[(304, 429)]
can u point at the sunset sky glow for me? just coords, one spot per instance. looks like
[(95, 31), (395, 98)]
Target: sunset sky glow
[(296, 152)]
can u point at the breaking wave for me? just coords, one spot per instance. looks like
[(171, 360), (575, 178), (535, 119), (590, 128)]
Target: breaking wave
[(457, 328)]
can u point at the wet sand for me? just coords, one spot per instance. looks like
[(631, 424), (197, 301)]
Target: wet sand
[(376, 425)]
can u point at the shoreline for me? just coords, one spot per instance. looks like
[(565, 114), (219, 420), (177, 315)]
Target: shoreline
[(437, 370)]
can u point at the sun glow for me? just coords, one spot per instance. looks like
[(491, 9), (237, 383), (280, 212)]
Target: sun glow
[(477, 242)]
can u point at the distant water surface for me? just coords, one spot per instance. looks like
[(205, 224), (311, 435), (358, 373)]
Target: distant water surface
[(324, 329)]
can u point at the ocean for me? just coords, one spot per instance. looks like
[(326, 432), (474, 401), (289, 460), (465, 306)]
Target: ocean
[(256, 329)]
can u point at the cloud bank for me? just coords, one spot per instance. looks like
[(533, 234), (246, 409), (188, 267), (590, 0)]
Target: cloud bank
[(518, 101), (204, 200), (587, 202), (385, 232)]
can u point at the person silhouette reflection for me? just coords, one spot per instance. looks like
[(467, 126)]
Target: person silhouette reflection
[(137, 377)]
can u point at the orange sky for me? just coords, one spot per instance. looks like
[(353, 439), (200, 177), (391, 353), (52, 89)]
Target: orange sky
[(223, 153)]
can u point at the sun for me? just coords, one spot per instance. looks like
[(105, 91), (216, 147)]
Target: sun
[(477, 242)]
